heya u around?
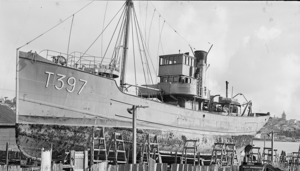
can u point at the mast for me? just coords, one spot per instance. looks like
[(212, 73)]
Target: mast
[(129, 5)]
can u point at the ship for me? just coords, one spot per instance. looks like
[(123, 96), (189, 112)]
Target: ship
[(62, 97)]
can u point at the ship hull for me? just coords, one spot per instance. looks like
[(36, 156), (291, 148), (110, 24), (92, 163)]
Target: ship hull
[(55, 101)]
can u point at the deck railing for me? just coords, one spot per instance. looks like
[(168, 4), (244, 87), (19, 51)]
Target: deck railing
[(81, 61)]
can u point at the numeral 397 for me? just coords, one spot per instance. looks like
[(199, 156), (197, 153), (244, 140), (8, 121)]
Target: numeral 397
[(71, 82)]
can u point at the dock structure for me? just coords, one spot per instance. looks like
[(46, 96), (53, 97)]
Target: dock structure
[(112, 155)]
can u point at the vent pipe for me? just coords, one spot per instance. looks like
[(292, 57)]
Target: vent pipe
[(227, 88)]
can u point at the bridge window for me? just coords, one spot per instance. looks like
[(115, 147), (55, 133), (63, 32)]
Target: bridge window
[(187, 80), (175, 79), (163, 79)]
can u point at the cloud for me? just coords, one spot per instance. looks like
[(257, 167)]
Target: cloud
[(265, 70), (267, 34), (246, 39)]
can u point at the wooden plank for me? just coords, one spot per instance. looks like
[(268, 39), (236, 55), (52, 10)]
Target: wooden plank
[(142, 167), (86, 159), (72, 156), (13, 168), (151, 165), (159, 167), (181, 167), (188, 167), (202, 168), (103, 166), (135, 167), (128, 167), (235, 168), (165, 167), (196, 168), (57, 167), (3, 168), (174, 167), (121, 167), (112, 168), (6, 158)]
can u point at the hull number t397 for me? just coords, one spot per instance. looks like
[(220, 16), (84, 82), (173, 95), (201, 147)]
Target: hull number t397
[(71, 81)]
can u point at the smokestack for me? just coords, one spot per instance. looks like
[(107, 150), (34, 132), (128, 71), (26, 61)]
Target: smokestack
[(227, 88)]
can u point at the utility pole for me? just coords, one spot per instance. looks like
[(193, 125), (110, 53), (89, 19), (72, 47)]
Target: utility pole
[(272, 147), (134, 134), (134, 116)]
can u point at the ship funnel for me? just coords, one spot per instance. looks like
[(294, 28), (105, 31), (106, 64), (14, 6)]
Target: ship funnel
[(201, 57), (226, 88), (201, 66)]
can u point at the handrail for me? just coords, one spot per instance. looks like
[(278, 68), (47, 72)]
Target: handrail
[(90, 61), (150, 88)]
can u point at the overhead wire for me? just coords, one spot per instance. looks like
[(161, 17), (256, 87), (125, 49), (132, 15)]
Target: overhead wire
[(55, 25)]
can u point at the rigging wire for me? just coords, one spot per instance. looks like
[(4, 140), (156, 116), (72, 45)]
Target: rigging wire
[(146, 21), (146, 49), (150, 28), (160, 33), (103, 27), (55, 25), (135, 22), (134, 63), (174, 29), (144, 46), (158, 36), (113, 34), (70, 38), (101, 33), (119, 39)]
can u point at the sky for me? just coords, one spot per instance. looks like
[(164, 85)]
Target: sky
[(256, 45)]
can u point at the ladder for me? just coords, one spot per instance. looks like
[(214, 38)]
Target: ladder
[(254, 155), (150, 149), (267, 154), (98, 150), (187, 145), (295, 158), (231, 155), (117, 149), (218, 155)]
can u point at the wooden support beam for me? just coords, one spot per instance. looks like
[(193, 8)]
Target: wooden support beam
[(7, 151)]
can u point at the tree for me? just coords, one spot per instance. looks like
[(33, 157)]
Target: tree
[(283, 116)]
